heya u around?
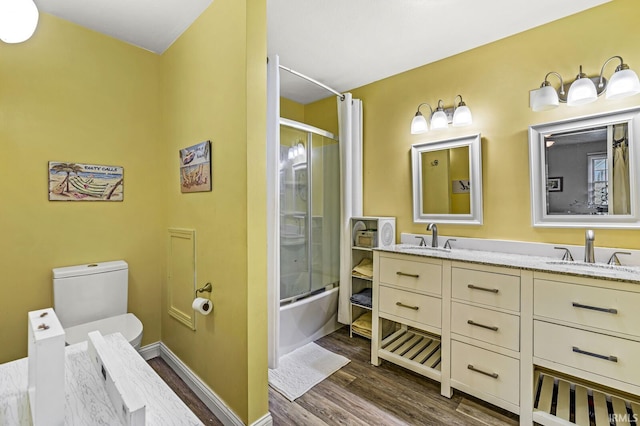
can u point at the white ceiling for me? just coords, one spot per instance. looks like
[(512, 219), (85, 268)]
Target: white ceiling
[(344, 44), (150, 24)]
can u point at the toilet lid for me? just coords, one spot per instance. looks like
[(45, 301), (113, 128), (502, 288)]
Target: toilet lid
[(127, 324)]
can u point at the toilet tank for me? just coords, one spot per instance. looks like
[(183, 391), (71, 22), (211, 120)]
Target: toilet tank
[(86, 293)]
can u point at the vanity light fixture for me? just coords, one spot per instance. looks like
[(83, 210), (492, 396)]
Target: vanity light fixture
[(459, 115), (584, 89), (18, 20)]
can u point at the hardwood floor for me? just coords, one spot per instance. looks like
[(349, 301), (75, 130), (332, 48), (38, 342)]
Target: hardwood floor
[(184, 393), (361, 394)]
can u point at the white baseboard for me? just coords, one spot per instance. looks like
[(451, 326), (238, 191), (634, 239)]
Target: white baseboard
[(150, 351), (206, 395)]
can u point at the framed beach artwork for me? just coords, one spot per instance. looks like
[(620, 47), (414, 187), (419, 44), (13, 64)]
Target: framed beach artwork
[(195, 168), (85, 182)]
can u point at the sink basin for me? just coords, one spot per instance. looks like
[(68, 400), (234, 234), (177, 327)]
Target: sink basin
[(605, 266), (422, 248)]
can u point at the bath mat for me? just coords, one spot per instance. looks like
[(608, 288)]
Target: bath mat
[(304, 368)]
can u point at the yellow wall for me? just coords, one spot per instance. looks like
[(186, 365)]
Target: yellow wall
[(495, 81), (209, 89), (73, 95)]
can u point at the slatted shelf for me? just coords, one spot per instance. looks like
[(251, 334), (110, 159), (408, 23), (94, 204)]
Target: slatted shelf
[(415, 350), (577, 403)]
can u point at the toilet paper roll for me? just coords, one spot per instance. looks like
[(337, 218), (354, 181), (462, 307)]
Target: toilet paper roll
[(202, 305)]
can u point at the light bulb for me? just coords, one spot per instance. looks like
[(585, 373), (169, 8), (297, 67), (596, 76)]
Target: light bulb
[(543, 99), (462, 116), (419, 124), (439, 120), (623, 83), (18, 20), (582, 91)]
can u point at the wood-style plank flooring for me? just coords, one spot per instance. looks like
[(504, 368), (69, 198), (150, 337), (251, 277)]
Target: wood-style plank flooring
[(184, 393), (361, 394)]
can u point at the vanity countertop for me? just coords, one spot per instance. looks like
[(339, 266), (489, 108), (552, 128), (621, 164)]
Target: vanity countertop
[(520, 261)]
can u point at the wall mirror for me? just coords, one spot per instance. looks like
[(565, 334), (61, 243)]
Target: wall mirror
[(584, 171), (447, 181)]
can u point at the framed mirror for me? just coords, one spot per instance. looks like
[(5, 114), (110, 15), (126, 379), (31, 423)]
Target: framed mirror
[(584, 171), (447, 181)]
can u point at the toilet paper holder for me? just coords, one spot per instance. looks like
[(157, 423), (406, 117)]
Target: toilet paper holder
[(205, 288)]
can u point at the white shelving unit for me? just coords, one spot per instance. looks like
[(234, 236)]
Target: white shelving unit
[(367, 233)]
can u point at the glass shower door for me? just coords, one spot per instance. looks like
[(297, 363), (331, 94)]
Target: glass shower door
[(309, 211)]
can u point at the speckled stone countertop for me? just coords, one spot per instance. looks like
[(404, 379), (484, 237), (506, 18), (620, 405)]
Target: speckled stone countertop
[(535, 263)]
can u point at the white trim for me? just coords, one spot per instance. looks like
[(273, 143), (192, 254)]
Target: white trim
[(273, 209), (150, 351), (204, 392), (265, 420)]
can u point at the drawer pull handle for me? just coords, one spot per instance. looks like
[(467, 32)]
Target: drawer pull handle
[(404, 274), (488, 327), (605, 357), (492, 375), (595, 308), (415, 308), (490, 290)]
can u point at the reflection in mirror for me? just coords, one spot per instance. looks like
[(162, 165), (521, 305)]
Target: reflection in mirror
[(582, 172), (447, 181), (587, 171)]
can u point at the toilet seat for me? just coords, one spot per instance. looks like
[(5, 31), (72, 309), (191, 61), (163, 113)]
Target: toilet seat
[(126, 324)]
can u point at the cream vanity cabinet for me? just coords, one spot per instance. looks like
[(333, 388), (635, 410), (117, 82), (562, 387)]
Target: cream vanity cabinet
[(485, 333), (407, 294), (586, 349)]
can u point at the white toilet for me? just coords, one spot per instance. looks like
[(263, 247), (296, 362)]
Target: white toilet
[(94, 297)]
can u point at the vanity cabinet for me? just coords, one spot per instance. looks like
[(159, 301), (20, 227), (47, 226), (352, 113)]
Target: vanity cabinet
[(485, 333), (586, 340), (407, 313)]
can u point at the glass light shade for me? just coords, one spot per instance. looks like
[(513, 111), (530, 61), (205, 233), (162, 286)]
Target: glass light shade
[(439, 120), (462, 116), (623, 83), (582, 91), (419, 124), (290, 154), (18, 20), (543, 99)]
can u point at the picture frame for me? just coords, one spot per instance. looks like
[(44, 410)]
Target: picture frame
[(85, 182), (554, 184), (195, 168)]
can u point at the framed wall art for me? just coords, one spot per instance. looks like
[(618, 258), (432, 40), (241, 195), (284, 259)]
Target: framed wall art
[(195, 168), (85, 182)]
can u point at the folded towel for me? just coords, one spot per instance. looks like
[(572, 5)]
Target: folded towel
[(362, 325), (363, 298), (364, 268)]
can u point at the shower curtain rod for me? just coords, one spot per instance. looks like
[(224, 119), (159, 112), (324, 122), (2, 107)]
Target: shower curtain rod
[(313, 81)]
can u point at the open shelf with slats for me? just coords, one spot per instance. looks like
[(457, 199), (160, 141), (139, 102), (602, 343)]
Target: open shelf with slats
[(415, 350), (559, 401)]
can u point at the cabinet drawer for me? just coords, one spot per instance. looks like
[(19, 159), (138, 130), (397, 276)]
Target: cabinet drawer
[(566, 345), (604, 308), (412, 275), (411, 306), (486, 288), (486, 371), (489, 326)]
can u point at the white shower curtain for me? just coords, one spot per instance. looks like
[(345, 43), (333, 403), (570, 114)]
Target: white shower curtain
[(620, 172), (350, 133)]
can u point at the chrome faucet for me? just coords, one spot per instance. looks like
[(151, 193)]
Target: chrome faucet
[(434, 234), (589, 237)]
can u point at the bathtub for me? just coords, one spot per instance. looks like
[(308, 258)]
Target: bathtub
[(308, 319)]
